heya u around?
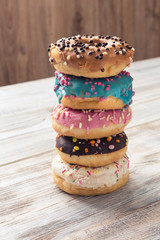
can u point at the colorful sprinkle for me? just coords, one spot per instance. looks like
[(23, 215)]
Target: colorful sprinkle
[(86, 150), (109, 139), (111, 147), (76, 148)]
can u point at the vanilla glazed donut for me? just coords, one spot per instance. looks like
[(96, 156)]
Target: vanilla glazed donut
[(75, 179), (92, 152), (95, 93), (90, 56), (87, 124)]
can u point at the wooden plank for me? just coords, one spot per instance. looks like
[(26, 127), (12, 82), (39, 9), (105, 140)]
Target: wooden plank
[(28, 27), (32, 207), (124, 228)]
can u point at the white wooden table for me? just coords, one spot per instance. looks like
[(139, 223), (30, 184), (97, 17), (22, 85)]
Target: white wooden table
[(32, 207)]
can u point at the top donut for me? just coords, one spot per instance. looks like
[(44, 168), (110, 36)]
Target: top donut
[(91, 56)]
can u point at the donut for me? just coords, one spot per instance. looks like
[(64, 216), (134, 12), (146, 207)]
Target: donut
[(80, 180), (96, 93), (87, 124), (90, 56), (92, 152)]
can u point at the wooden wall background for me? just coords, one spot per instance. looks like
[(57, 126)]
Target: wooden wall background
[(28, 26)]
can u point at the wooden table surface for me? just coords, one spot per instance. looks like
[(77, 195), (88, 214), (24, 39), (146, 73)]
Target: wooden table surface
[(32, 207)]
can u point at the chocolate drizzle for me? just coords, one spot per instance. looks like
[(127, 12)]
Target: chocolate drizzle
[(79, 147)]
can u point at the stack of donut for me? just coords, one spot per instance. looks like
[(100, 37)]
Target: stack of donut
[(94, 94)]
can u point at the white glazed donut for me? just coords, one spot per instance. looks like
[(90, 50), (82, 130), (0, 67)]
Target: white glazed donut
[(81, 180)]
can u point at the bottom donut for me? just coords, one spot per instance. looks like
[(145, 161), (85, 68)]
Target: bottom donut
[(88, 181)]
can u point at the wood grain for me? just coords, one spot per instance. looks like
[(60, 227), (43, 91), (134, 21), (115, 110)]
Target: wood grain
[(31, 205), (27, 27)]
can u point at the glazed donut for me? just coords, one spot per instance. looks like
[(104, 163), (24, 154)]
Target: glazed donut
[(90, 56), (87, 124), (75, 179), (93, 152), (96, 93)]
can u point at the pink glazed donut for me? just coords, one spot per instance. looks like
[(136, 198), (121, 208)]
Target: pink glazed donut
[(88, 124)]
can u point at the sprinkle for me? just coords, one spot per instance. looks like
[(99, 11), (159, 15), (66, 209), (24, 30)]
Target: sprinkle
[(63, 171), (89, 118), (76, 147), (74, 139), (111, 147), (68, 57), (60, 149), (65, 63), (126, 141), (86, 150), (117, 140), (80, 125), (72, 125), (95, 93), (102, 118), (88, 172), (108, 117), (109, 139), (59, 135), (90, 53), (87, 93), (92, 142)]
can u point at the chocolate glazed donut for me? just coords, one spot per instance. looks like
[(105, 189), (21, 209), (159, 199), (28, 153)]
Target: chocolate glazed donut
[(92, 152)]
